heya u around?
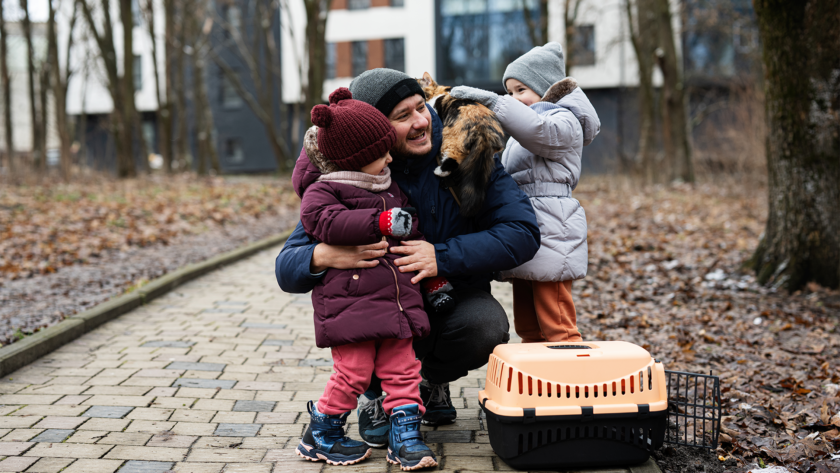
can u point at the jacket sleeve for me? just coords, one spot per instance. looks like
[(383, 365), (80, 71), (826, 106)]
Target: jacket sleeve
[(509, 235), (328, 220), (556, 136), (292, 264)]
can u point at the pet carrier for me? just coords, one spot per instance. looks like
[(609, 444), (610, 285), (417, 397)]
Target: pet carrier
[(585, 404)]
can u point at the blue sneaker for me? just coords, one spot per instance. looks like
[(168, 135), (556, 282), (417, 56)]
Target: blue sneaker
[(405, 442), (373, 421), (324, 439)]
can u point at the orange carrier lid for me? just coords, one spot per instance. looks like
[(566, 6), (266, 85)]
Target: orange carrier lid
[(560, 378)]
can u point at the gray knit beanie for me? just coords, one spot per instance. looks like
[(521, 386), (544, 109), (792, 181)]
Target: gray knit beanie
[(539, 68), (384, 88)]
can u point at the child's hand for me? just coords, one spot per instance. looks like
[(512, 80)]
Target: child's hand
[(484, 97), (396, 222)]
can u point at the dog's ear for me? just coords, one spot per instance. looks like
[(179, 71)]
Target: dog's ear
[(426, 80)]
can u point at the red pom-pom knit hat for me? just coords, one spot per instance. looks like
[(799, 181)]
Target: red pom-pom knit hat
[(351, 133)]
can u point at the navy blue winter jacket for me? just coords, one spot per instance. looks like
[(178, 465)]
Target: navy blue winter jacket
[(503, 236)]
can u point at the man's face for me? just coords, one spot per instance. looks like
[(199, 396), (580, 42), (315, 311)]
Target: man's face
[(413, 123)]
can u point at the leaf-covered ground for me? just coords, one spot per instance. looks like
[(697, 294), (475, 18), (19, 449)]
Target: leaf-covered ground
[(666, 272), (69, 248), (44, 228)]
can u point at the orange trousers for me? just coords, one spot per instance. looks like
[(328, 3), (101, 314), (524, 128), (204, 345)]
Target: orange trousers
[(544, 311)]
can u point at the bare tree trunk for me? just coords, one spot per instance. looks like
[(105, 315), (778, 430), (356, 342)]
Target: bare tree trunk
[(166, 137), (316, 48), (59, 88), (203, 113), (644, 45), (129, 111), (37, 152), (7, 93), (122, 122), (801, 55), (675, 128), (179, 85)]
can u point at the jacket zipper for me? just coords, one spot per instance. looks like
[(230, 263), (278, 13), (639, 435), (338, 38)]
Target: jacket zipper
[(396, 281)]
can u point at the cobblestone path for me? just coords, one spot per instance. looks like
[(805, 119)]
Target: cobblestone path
[(213, 377)]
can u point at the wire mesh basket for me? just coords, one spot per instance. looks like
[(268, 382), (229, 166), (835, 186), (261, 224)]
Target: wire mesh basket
[(694, 409)]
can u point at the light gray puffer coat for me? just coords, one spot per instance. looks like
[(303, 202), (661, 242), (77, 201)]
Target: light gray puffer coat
[(543, 156)]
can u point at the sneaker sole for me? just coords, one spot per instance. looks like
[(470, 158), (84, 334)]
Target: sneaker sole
[(437, 422), (425, 462), (308, 452), (375, 445)]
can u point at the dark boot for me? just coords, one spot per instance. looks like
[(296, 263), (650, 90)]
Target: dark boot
[(324, 439), (405, 442), (439, 408)]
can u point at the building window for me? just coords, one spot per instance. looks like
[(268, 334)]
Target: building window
[(397, 3), (584, 45), (358, 4), (228, 94), (233, 151), (138, 73), (395, 54), (360, 57), (332, 61), (479, 38)]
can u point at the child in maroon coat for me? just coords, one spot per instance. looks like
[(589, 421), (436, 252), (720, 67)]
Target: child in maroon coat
[(368, 316)]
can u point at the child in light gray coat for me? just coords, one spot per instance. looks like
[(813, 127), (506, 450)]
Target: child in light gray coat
[(549, 120)]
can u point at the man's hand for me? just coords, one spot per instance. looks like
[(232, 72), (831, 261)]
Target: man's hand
[(420, 257), (346, 257)]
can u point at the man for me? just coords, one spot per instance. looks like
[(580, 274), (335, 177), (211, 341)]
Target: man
[(467, 251)]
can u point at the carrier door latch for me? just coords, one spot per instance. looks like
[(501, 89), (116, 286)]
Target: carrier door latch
[(588, 413), (529, 415), (644, 411)]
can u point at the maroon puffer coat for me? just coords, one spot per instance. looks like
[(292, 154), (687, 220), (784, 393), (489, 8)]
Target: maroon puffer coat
[(357, 305)]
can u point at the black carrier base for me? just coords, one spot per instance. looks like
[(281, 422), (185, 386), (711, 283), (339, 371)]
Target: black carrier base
[(555, 442)]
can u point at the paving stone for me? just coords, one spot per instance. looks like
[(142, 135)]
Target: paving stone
[(135, 466), (168, 344), (315, 362), (449, 436), (262, 325), (50, 465), (237, 430), (204, 383), (8, 449), (254, 406), (168, 439), (125, 438), (186, 365), (110, 412), (229, 455), (196, 467), (249, 468), (231, 303), (54, 435), (16, 463), (277, 343), (68, 450), (222, 310), (93, 466)]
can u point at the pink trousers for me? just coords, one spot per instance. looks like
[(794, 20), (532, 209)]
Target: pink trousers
[(392, 360)]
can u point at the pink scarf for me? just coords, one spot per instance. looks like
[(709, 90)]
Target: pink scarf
[(360, 179)]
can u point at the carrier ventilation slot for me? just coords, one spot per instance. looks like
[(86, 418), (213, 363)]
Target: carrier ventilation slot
[(639, 436), (526, 384), (694, 409), (570, 347)]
